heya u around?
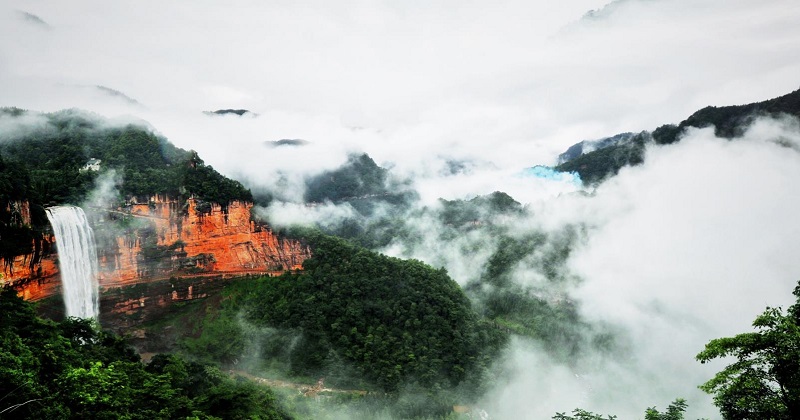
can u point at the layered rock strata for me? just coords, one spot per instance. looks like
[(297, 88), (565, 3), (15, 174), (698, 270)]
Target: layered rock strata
[(162, 239)]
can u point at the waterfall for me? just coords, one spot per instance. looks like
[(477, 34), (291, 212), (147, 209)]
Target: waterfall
[(77, 259)]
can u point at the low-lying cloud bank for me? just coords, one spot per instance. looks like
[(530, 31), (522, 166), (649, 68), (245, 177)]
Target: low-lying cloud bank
[(690, 246)]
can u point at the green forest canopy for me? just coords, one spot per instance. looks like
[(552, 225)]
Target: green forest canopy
[(360, 319), (45, 164), (728, 122), (49, 161), (71, 370)]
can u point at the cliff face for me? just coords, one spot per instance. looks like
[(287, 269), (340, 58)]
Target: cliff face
[(23, 251), (162, 239)]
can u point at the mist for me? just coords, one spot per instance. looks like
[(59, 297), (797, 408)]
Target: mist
[(690, 246)]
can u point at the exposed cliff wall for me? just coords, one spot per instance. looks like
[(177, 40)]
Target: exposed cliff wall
[(162, 239), (24, 250)]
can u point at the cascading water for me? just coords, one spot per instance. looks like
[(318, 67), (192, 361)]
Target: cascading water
[(77, 258)]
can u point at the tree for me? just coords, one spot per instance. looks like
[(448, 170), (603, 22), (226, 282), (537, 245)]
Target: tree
[(764, 381), (72, 369), (579, 414), (674, 412)]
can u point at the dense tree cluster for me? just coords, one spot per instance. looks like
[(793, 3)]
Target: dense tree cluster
[(16, 237), (763, 382), (46, 164), (359, 318), (458, 213), (595, 166), (71, 370), (360, 176), (55, 154)]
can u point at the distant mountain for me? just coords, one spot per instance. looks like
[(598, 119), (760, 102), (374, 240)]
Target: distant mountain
[(588, 146), (238, 112), (359, 177), (610, 156), (731, 121), (117, 94), (286, 142), (33, 19)]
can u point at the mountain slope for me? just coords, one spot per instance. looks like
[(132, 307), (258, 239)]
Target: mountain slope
[(728, 122)]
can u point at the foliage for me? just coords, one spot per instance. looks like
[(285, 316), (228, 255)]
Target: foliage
[(731, 121), (398, 222), (361, 319), (667, 134), (54, 156), (541, 309), (594, 167), (728, 121), (16, 235), (579, 414), (45, 166), (674, 412), (359, 176), (537, 311), (458, 213), (764, 380), (73, 370)]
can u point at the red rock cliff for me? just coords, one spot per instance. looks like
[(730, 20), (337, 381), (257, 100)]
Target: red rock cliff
[(25, 263), (161, 239)]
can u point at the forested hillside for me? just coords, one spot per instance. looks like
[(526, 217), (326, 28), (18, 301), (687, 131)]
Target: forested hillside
[(57, 159), (728, 122), (360, 320), (52, 159), (72, 370)]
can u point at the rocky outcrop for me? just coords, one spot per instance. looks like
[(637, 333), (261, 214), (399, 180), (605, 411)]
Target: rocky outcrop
[(166, 239), (24, 251)]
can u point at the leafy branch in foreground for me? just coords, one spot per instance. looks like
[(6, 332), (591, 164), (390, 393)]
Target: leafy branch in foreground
[(764, 381), (674, 412), (579, 414)]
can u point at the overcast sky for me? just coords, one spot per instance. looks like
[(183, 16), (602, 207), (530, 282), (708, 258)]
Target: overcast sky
[(688, 247), (508, 82)]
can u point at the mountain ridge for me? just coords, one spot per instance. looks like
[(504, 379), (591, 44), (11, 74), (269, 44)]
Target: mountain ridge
[(728, 122)]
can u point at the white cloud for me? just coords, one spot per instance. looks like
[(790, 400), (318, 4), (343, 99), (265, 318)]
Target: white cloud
[(688, 247), (512, 82)]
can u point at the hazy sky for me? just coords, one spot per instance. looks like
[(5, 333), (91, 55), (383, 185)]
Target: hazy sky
[(508, 82), (688, 247)]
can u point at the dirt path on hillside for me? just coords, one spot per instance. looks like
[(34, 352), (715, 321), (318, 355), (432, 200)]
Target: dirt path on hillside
[(305, 389)]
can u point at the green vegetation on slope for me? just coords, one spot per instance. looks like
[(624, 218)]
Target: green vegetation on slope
[(358, 177), (595, 166), (15, 237), (71, 370), (55, 153), (360, 320), (728, 122), (45, 164), (540, 310)]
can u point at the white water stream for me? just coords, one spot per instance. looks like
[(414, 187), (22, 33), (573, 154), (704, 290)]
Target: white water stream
[(77, 259)]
